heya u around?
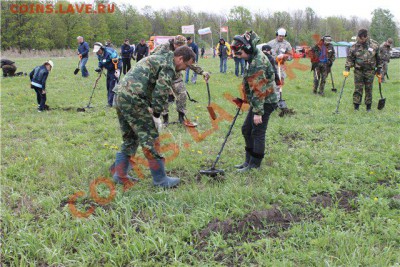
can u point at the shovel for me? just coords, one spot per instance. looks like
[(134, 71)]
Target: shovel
[(382, 101), (79, 63), (333, 84), (213, 171), (188, 123), (209, 107), (281, 103)]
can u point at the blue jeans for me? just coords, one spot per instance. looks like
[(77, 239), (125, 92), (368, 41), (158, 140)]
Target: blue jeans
[(222, 64), (194, 78), (237, 61), (83, 68)]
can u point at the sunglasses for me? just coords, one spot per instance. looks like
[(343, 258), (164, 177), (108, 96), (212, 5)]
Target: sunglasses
[(237, 47)]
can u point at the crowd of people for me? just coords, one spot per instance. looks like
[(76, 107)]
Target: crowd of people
[(142, 97)]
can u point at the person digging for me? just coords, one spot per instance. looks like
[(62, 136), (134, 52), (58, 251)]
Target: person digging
[(179, 92), (258, 86), (139, 101)]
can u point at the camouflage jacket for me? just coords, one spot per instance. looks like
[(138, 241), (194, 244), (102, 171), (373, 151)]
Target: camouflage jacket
[(278, 48), (151, 80), (167, 47), (384, 51), (258, 79), (364, 56)]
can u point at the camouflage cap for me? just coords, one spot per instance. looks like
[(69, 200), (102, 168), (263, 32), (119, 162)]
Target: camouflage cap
[(179, 40), (389, 41)]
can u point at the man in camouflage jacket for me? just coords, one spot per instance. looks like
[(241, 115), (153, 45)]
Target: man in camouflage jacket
[(365, 58), (384, 51), (322, 59), (140, 98), (281, 50), (178, 89), (258, 89)]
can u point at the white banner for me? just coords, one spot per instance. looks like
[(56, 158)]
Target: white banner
[(204, 31), (189, 29)]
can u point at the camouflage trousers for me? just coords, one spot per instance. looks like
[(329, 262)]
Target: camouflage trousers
[(320, 74), (363, 78), (9, 70), (137, 127), (384, 70), (179, 91)]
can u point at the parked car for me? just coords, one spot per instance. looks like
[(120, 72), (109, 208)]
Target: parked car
[(395, 52)]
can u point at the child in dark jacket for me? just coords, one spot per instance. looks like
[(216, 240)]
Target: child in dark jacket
[(38, 78)]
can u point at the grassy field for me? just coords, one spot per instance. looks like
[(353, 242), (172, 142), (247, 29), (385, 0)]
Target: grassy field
[(328, 193)]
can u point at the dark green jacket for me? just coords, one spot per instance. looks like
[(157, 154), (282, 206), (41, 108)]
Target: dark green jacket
[(258, 80)]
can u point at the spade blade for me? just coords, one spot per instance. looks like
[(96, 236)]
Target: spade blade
[(381, 103)]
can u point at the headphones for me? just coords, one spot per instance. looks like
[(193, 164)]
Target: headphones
[(246, 44), (276, 33)]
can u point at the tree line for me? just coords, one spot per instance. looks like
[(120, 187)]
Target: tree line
[(44, 31)]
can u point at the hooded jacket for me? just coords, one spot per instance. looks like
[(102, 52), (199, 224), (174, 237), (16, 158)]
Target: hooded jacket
[(258, 80)]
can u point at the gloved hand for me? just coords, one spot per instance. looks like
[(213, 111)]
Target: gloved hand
[(97, 70), (171, 98), (346, 73), (206, 76), (117, 73), (158, 123)]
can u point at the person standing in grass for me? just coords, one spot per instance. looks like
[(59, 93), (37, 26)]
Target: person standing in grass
[(126, 54), (322, 57), (224, 51), (38, 77), (108, 59), (364, 56), (281, 50), (258, 89), (140, 99), (384, 51), (178, 88), (83, 53)]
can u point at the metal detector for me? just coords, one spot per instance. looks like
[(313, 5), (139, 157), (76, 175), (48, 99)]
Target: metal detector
[(340, 97), (91, 96), (213, 171)]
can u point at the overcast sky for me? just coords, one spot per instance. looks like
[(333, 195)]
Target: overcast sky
[(346, 8)]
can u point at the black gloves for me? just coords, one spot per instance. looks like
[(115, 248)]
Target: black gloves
[(97, 70), (156, 115)]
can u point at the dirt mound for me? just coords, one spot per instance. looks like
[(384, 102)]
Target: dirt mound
[(272, 221), (345, 200)]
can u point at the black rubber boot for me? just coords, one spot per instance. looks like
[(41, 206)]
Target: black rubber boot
[(181, 117), (254, 163), (246, 162), (356, 106), (165, 119), (369, 108)]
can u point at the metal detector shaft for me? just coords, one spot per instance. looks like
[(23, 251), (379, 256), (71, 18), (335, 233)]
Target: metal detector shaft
[(226, 139), (340, 96), (94, 87)]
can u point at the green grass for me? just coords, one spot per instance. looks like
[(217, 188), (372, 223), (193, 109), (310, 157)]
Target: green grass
[(48, 157)]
